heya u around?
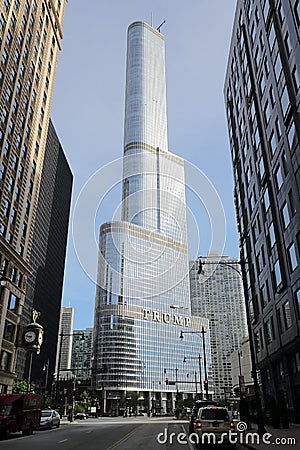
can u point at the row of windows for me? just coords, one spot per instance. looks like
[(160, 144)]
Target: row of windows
[(285, 321)]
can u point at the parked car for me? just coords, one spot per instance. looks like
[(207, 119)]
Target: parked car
[(81, 416), (213, 425), (198, 404), (49, 418)]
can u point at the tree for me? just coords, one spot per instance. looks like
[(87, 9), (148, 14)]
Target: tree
[(22, 387), (85, 400)]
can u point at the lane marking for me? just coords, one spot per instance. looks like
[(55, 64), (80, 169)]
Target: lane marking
[(124, 438), (188, 441), (64, 440)]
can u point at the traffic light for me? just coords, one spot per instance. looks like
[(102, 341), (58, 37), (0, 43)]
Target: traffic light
[(167, 380), (165, 370), (205, 384)]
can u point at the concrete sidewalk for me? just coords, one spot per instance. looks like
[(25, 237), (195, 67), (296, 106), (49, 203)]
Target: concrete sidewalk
[(281, 438)]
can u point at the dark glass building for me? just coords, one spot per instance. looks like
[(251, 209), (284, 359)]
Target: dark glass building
[(262, 96), (44, 286)]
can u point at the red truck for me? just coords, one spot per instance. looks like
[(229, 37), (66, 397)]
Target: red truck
[(19, 412)]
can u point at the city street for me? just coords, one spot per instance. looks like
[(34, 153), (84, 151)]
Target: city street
[(133, 433)]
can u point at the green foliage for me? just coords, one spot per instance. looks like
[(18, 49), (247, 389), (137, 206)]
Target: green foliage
[(85, 400), (22, 387)]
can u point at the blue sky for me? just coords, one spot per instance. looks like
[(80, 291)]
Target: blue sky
[(88, 107)]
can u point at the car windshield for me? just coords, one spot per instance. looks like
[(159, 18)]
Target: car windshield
[(46, 413), (214, 414)]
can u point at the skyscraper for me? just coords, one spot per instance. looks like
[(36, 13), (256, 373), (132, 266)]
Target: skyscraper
[(30, 36), (219, 297), (47, 257), (262, 95), (82, 355), (143, 260), (64, 349)]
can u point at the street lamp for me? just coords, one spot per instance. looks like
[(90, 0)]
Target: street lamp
[(242, 273), (46, 369), (200, 372), (204, 355)]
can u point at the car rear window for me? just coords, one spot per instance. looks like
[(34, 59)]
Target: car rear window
[(214, 414)]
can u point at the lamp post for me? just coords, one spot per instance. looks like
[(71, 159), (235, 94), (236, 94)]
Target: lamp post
[(204, 356), (46, 369), (176, 382), (200, 372), (242, 273)]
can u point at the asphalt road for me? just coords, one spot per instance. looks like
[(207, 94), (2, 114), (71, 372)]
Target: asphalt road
[(108, 434)]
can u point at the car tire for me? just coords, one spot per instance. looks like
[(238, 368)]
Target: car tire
[(58, 425)]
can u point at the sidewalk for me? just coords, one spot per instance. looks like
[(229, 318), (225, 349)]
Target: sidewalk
[(281, 438)]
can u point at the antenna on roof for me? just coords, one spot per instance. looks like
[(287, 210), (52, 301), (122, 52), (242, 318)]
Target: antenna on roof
[(151, 19), (159, 27)]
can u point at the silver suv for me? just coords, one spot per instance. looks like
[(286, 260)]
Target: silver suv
[(213, 425)]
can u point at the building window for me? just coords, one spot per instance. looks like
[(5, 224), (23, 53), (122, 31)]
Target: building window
[(5, 361), (4, 115), (285, 215), (6, 150), (267, 112), (297, 12), (266, 200), (272, 235), (6, 5), (278, 67), (272, 37), (269, 330), (9, 331), (13, 302), (6, 208), (292, 257), (24, 229), (297, 297), (287, 315), (277, 273), (296, 78), (2, 171), (292, 137), (279, 179), (15, 163), (11, 184), (285, 101)]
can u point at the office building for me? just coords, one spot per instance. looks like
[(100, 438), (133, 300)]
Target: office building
[(82, 355), (64, 345), (47, 259), (217, 294), (262, 96), (241, 368), (30, 36), (142, 298)]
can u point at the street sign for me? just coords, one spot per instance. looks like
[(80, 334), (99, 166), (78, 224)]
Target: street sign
[(172, 383)]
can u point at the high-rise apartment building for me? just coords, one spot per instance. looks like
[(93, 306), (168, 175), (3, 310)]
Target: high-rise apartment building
[(217, 294), (82, 354), (142, 299), (47, 257), (30, 36), (64, 347), (262, 95)]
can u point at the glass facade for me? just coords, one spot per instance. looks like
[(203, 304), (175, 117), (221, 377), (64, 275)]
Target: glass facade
[(143, 297)]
